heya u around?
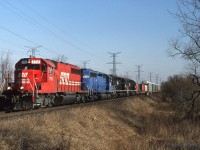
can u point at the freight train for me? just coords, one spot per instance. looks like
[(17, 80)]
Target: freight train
[(42, 82)]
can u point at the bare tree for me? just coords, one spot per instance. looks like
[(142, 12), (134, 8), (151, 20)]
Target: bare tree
[(187, 44), (60, 58), (6, 69), (192, 68)]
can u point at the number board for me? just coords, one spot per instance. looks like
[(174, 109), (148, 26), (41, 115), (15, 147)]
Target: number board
[(35, 61)]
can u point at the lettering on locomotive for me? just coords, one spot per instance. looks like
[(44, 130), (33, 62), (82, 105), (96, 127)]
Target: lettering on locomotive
[(23, 81), (23, 74), (35, 61), (64, 79)]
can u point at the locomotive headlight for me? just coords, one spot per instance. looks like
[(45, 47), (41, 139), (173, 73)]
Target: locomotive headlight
[(21, 88)]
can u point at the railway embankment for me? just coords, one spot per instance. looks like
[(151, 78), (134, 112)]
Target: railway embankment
[(138, 122)]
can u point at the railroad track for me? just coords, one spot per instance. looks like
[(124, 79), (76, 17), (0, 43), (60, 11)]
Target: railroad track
[(41, 111)]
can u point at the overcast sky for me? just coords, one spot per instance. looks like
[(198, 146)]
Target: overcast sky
[(85, 30)]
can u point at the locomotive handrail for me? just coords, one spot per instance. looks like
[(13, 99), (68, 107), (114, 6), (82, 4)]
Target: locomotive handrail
[(35, 85), (30, 83), (89, 90)]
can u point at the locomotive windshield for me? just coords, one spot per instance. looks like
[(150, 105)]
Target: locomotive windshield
[(29, 67)]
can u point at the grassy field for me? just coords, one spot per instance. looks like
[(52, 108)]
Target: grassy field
[(136, 123)]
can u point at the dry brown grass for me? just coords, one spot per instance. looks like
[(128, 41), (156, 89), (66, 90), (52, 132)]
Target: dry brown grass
[(140, 123)]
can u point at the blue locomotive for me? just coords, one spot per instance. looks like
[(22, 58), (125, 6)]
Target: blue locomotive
[(98, 84)]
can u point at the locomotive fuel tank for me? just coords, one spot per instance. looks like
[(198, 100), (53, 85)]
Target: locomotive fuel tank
[(65, 98)]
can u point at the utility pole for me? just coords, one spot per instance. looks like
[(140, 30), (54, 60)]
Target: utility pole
[(33, 50), (85, 63), (114, 63), (139, 72)]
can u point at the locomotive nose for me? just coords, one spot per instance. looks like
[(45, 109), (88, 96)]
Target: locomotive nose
[(26, 80)]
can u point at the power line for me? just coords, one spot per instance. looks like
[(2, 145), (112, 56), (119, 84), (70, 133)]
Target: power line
[(7, 30), (35, 22), (21, 14), (57, 27), (66, 33), (26, 17), (30, 41), (54, 25), (10, 43), (43, 28)]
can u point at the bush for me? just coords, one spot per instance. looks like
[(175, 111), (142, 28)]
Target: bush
[(183, 93)]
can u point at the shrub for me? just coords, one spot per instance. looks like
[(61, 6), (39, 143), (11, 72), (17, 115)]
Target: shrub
[(183, 93)]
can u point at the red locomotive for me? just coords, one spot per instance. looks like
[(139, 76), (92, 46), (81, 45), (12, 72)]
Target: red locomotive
[(44, 82)]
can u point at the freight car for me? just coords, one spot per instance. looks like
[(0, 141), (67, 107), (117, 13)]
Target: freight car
[(141, 88), (147, 87), (152, 87)]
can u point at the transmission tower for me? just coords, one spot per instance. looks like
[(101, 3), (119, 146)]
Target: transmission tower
[(85, 63), (114, 63), (33, 50), (139, 72), (157, 78), (150, 76)]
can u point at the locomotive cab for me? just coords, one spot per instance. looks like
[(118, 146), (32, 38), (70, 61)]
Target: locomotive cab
[(31, 77), (31, 72)]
